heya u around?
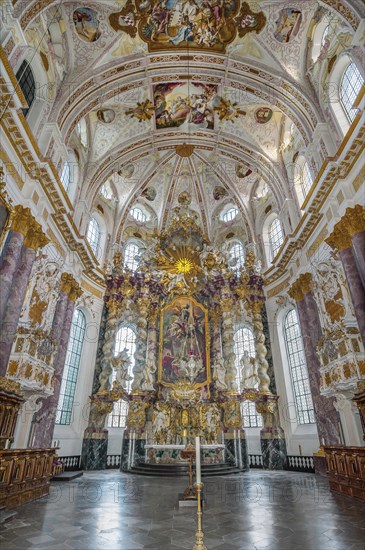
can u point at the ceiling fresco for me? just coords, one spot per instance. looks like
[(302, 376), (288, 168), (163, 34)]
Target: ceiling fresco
[(195, 95)]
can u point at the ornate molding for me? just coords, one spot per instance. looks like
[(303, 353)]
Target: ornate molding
[(70, 286)]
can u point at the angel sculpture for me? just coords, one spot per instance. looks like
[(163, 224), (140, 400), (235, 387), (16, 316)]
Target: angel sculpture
[(220, 374), (121, 364)]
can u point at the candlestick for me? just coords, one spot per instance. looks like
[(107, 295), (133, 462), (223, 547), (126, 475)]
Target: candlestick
[(197, 460), (199, 545)]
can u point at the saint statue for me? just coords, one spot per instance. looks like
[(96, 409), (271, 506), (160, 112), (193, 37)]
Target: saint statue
[(148, 378), (220, 374), (121, 364), (249, 378)]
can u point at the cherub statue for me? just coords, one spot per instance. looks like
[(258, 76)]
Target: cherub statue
[(220, 373), (121, 363)]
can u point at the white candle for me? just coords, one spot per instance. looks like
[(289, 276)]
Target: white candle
[(197, 460), (322, 441)]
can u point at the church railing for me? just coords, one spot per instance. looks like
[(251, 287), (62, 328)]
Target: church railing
[(113, 461), (300, 464), (255, 461), (71, 463)]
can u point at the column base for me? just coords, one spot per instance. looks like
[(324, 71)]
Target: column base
[(133, 450), (94, 451), (273, 448), (236, 450)]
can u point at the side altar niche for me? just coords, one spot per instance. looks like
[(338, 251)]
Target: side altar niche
[(184, 300)]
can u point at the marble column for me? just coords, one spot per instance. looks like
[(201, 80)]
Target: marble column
[(45, 418), (141, 343), (354, 221), (358, 244), (327, 417), (347, 238), (356, 288), (228, 338), (261, 351), (11, 253), (272, 437)]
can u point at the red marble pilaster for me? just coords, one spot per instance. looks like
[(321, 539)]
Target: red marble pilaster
[(9, 261), (327, 417), (14, 305), (44, 420), (357, 291), (358, 245)]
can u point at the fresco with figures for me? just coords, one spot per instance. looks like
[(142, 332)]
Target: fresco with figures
[(180, 104), (184, 343), (195, 24)]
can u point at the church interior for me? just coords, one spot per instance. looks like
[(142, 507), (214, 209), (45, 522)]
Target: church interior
[(182, 274)]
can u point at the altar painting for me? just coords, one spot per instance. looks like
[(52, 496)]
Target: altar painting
[(181, 104), (184, 343)]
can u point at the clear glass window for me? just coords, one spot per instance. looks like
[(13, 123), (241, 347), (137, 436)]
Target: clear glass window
[(238, 254), (66, 176), (131, 260), (276, 237), (26, 82), (298, 369), (93, 235), (230, 215), (70, 373), (138, 215), (351, 84)]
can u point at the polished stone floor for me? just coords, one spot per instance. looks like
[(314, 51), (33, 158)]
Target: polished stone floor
[(257, 510)]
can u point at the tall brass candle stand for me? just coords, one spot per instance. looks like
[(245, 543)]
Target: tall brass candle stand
[(199, 545)]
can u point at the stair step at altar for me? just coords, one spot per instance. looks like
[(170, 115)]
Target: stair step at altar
[(173, 470)]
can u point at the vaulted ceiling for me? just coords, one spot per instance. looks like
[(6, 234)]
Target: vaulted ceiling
[(197, 95)]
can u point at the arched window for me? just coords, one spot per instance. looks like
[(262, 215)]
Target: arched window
[(66, 176), (26, 82), (230, 215), (306, 179), (93, 235), (125, 339), (351, 84), (276, 237), (131, 256), (237, 253), (138, 214), (72, 363), (324, 35), (106, 192), (298, 369), (244, 341)]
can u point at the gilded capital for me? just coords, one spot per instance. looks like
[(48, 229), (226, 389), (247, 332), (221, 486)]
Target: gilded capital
[(35, 238), (339, 238), (21, 219), (355, 219), (306, 282), (70, 286), (296, 292)]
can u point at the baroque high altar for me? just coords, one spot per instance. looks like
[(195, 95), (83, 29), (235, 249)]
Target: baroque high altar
[(184, 300)]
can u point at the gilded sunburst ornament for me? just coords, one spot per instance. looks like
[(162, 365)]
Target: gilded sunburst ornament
[(184, 265)]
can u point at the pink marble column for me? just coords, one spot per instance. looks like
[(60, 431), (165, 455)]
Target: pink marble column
[(327, 417), (356, 288), (358, 246), (9, 261), (44, 420), (14, 305)]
